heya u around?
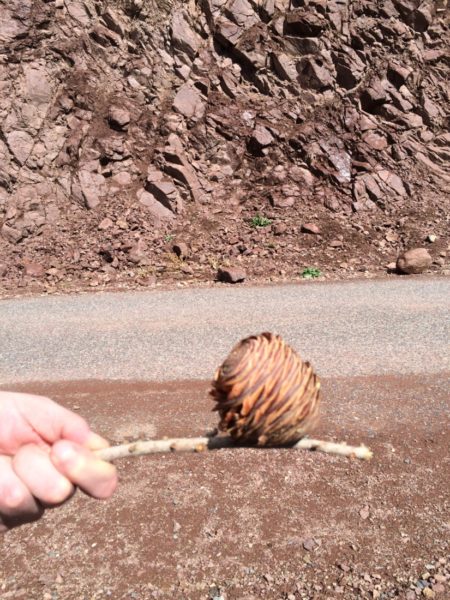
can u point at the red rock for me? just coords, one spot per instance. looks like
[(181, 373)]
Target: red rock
[(414, 261), (364, 512), (331, 203), (241, 12), (138, 253), (433, 55), (181, 250), (227, 33), (284, 66), (310, 228), (304, 23), (282, 201), (119, 117), (123, 178), (189, 103), (375, 141), (11, 234), (92, 186), (301, 175), (33, 269), (279, 228), (309, 544), (366, 123), (398, 74), (336, 244), (3, 269), (423, 17), (184, 37), (178, 166), (158, 210), (313, 74), (105, 224), (430, 110), (164, 190), (260, 139), (393, 181), (21, 144), (231, 274)]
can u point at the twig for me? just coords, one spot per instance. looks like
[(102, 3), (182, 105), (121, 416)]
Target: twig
[(339, 448), (200, 444)]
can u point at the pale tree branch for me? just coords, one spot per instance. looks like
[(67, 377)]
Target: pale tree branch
[(201, 444)]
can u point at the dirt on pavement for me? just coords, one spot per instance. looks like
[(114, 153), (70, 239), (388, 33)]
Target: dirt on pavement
[(249, 523), (150, 143)]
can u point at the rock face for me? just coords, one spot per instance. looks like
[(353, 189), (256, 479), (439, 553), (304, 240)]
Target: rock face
[(416, 260), (190, 118)]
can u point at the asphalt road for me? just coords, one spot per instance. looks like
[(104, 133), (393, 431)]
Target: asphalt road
[(351, 328)]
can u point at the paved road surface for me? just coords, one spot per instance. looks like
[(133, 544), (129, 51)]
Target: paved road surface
[(350, 328)]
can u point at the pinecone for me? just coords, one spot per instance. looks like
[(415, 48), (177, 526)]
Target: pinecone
[(265, 393)]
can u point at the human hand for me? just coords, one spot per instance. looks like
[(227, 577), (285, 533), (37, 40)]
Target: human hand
[(45, 453)]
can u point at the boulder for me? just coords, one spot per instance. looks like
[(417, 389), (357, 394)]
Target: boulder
[(414, 261), (231, 274)]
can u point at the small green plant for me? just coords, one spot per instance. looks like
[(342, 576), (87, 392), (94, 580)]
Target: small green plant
[(260, 221), (311, 273), (168, 238)]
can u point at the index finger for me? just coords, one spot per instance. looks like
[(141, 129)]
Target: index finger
[(53, 422)]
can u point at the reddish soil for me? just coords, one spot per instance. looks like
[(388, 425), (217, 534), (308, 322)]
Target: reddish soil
[(248, 523), (150, 143)]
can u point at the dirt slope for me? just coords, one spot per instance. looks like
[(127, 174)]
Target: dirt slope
[(128, 126)]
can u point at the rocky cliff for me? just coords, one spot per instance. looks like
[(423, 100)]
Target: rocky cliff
[(148, 140)]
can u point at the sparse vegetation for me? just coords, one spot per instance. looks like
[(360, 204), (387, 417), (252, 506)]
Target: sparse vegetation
[(144, 271), (168, 238), (260, 221), (311, 273)]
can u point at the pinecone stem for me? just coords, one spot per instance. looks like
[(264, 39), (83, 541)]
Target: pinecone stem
[(201, 444)]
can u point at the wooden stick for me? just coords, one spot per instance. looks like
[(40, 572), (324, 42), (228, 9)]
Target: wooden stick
[(201, 444), (339, 448)]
